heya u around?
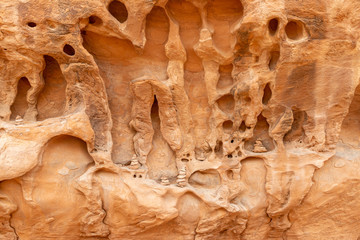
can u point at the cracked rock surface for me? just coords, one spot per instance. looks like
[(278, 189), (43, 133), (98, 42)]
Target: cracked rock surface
[(179, 119)]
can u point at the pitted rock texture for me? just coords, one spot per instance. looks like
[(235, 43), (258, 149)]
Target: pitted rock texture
[(179, 119)]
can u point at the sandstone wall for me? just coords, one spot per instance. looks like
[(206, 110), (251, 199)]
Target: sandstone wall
[(179, 119)]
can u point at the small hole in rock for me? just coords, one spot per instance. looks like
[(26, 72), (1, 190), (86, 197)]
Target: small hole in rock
[(118, 10), (294, 30), (274, 57), (230, 174), (229, 156), (232, 141), (267, 94), (227, 126), (226, 103), (140, 176), (184, 160), (242, 127), (20, 104), (273, 26), (134, 176), (31, 24), (69, 50), (225, 78), (94, 20), (219, 148)]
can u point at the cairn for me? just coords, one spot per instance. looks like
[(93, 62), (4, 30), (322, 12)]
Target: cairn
[(259, 147), (165, 181), (135, 164), (18, 120), (181, 178)]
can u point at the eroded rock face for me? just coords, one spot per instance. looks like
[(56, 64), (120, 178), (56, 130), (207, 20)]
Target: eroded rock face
[(179, 119)]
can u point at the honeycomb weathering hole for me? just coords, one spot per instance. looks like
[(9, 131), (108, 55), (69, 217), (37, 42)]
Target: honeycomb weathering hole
[(297, 133), (225, 79), (52, 98), (31, 24), (274, 58), (69, 50), (242, 127), (220, 12), (205, 179), (226, 103), (227, 126), (273, 26), (157, 27), (267, 94), (230, 174), (189, 20), (294, 30), (118, 10), (184, 160), (20, 104), (219, 148), (94, 20)]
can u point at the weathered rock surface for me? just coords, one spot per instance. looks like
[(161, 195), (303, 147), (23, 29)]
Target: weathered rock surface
[(179, 119)]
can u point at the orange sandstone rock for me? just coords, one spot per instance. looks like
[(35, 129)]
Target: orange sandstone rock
[(179, 119)]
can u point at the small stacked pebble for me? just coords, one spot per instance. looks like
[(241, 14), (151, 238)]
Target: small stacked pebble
[(181, 178), (259, 147), (165, 181), (18, 120), (134, 163)]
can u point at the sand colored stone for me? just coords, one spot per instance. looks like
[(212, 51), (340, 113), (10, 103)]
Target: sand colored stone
[(179, 119)]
